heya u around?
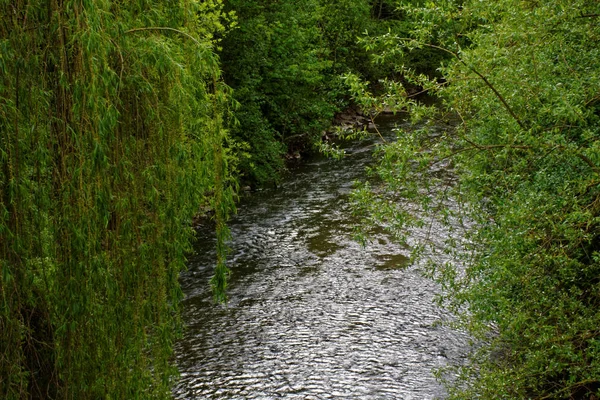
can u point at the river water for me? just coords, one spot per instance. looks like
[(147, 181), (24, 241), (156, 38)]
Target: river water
[(312, 314)]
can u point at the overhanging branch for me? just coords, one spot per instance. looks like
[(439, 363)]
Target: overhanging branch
[(480, 75)]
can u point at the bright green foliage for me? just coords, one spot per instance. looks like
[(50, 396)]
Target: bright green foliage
[(347, 24), (110, 141), (523, 86)]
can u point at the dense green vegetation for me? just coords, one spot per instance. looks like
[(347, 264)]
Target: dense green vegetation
[(284, 61), (111, 139), (114, 134), (522, 86), (119, 121)]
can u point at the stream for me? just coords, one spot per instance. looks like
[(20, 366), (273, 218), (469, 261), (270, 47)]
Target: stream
[(311, 313)]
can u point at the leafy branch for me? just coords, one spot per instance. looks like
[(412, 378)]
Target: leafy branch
[(474, 70)]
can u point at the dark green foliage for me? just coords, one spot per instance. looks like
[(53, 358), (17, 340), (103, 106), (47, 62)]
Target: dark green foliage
[(284, 61), (275, 62), (342, 22), (109, 143)]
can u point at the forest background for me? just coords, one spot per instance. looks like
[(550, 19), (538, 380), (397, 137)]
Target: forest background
[(121, 121)]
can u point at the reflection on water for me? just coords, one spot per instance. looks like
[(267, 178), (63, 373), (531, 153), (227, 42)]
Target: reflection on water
[(311, 314)]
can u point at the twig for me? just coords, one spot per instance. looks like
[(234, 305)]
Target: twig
[(476, 146), (377, 130), (589, 162), (569, 388)]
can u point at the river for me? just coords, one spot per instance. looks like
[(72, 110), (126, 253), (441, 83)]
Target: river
[(312, 314)]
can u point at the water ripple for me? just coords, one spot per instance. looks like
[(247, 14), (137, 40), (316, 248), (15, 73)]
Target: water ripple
[(311, 314)]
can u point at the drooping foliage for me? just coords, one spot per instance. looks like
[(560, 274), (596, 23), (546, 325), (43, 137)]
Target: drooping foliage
[(111, 138), (522, 86)]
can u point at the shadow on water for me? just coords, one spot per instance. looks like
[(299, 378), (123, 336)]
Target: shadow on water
[(312, 314)]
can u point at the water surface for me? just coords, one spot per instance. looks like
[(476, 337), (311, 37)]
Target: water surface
[(311, 313)]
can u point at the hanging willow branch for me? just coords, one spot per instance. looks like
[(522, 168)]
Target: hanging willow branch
[(101, 171), (164, 28)]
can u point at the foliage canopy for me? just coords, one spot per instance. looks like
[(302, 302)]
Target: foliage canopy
[(114, 124), (111, 138), (522, 85)]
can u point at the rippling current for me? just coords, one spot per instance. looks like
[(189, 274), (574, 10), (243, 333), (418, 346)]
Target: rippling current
[(312, 314)]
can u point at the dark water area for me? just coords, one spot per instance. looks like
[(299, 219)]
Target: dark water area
[(311, 313)]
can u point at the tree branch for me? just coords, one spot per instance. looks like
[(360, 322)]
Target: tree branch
[(475, 146), (480, 75), (569, 388), (589, 162)]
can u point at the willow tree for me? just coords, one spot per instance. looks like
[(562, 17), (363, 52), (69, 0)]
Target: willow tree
[(111, 138)]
